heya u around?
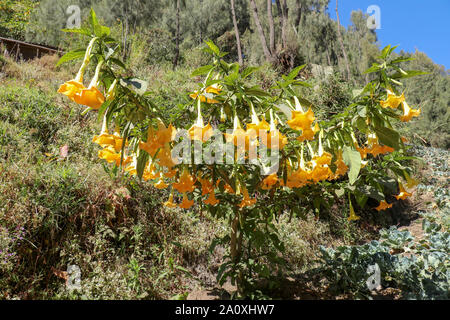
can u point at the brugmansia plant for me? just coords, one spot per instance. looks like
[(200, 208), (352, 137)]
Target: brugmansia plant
[(251, 155)]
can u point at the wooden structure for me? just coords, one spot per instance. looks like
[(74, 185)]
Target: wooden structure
[(24, 50)]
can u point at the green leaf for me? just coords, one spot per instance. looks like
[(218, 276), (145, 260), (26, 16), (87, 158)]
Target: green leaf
[(202, 71), (294, 73), (93, 19), (248, 71), (72, 55), (388, 137), (352, 158), (374, 68), (408, 74), (141, 163), (401, 59), (213, 47)]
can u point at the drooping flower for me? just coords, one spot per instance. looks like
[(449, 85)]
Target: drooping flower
[(199, 131), (186, 203), (111, 94), (212, 200), (392, 101), (164, 157), (409, 113), (91, 96), (106, 139), (73, 88), (207, 186), (403, 193), (170, 173), (353, 216), (269, 181), (150, 172), (303, 121), (169, 203), (341, 167), (110, 155), (186, 182), (374, 148), (152, 145), (239, 137), (246, 201), (208, 97), (275, 139), (383, 206), (254, 127), (161, 184)]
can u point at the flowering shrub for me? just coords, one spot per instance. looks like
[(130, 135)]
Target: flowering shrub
[(250, 154)]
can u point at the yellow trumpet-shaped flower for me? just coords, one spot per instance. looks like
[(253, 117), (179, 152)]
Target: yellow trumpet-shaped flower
[(409, 113), (73, 88), (254, 127), (303, 121), (247, 201), (161, 184), (165, 157), (207, 186), (269, 181), (199, 131), (91, 96), (165, 135), (105, 139), (214, 89), (383, 206), (169, 203), (109, 154), (353, 216), (403, 193), (341, 167), (239, 136), (152, 145), (186, 203), (150, 172), (274, 136), (170, 173), (186, 182), (392, 100), (212, 200), (374, 148)]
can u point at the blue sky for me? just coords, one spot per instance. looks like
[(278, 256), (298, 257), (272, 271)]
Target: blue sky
[(411, 24)]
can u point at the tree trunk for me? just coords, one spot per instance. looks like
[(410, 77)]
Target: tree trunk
[(284, 24), (271, 27), (177, 39), (236, 29), (298, 17), (260, 31), (349, 75)]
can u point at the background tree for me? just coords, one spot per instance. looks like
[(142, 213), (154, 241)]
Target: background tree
[(236, 30)]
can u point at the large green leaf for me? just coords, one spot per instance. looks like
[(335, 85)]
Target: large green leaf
[(201, 71), (352, 158), (388, 137), (72, 55)]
